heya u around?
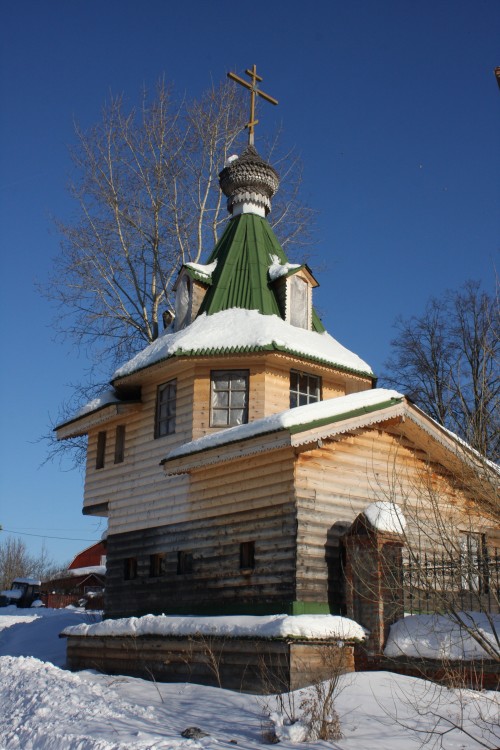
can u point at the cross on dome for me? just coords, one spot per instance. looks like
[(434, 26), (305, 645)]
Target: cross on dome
[(254, 91)]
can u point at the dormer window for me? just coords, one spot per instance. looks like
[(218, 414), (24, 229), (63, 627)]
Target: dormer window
[(293, 285), (183, 302), (298, 302)]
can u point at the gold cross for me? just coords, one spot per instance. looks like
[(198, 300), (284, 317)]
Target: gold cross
[(253, 91)]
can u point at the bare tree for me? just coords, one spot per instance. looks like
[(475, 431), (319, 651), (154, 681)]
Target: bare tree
[(15, 562), (148, 200), (447, 361)]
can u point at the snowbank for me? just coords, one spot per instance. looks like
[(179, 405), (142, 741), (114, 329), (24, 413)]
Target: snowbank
[(439, 637), (242, 626)]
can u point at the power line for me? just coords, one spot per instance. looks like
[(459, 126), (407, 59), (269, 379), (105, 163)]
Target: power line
[(46, 536)]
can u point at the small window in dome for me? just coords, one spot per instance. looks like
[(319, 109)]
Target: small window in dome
[(298, 302), (183, 303)]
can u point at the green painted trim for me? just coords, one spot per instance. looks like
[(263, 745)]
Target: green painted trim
[(341, 417), (197, 276)]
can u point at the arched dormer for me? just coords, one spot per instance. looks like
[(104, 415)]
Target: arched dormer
[(293, 285), (190, 288)]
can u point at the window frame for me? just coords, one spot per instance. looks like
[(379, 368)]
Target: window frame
[(247, 555), (184, 562), (169, 386), (119, 444), (100, 459), (130, 568), (297, 392), (236, 373), (157, 562)]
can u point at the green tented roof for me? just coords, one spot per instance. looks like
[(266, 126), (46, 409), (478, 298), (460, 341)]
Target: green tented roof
[(241, 278)]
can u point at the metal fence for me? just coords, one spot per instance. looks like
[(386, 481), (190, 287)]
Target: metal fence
[(432, 582)]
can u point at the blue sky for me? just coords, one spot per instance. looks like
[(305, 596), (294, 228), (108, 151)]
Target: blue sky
[(393, 106)]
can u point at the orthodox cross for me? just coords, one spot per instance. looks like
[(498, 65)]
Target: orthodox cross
[(254, 91)]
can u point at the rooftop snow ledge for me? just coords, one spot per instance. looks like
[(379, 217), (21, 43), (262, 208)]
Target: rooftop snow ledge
[(236, 626), (321, 411), (245, 330)]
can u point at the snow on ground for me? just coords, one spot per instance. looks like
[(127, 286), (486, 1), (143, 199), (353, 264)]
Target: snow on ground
[(44, 707), (237, 626), (439, 637)]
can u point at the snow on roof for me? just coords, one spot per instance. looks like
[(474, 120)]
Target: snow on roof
[(29, 581), (277, 269), (239, 330), (331, 408), (202, 270), (441, 637), (103, 399), (237, 626), (386, 516), (99, 570)]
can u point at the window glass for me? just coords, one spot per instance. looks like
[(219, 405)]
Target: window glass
[(166, 409), (119, 444), (130, 568), (156, 565), (299, 302), (247, 555), (101, 450), (182, 303), (229, 398), (184, 562), (304, 388)]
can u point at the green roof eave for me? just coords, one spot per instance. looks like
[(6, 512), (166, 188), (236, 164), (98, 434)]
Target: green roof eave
[(226, 350), (294, 429)]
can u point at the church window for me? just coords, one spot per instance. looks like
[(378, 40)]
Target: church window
[(165, 409), (130, 568), (101, 450), (298, 302), (183, 302), (304, 388), (247, 555), (229, 398), (156, 565), (184, 562), (119, 444)]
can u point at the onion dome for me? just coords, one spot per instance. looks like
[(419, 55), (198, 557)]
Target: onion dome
[(249, 183)]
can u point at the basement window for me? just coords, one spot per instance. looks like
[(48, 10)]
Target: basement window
[(156, 565), (247, 555), (165, 409), (229, 398), (101, 450), (130, 568), (184, 562), (120, 444), (304, 388)]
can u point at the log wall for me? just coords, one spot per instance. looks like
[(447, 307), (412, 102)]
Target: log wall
[(242, 664)]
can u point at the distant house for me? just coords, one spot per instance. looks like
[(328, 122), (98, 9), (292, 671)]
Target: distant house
[(85, 583), (232, 455)]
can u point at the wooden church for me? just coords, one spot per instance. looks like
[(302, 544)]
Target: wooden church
[(232, 455)]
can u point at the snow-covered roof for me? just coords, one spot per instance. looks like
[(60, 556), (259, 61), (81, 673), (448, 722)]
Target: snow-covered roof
[(236, 626), (203, 270), (29, 581), (238, 331), (99, 570), (277, 269), (103, 399), (386, 516), (329, 410)]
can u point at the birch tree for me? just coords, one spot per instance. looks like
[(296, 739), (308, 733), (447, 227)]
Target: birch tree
[(147, 200)]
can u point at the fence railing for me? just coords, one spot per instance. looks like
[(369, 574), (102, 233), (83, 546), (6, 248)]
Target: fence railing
[(432, 582)]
